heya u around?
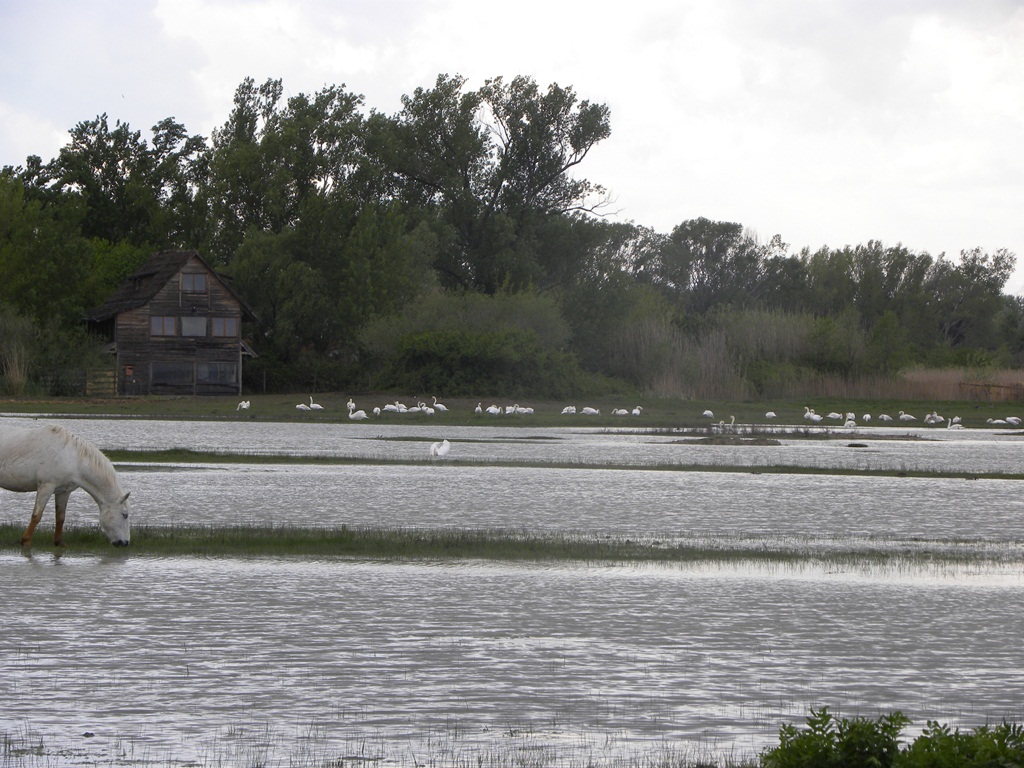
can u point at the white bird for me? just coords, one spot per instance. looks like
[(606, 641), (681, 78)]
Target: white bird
[(907, 417), (771, 415), (637, 410), (953, 423), (835, 416), (440, 450), (850, 423), (439, 406), (314, 406), (588, 411), (391, 408), (494, 410), (866, 417), (302, 407), (996, 421), (357, 415), (569, 410), (708, 414), (479, 409), (242, 406), (620, 412), (885, 417), (376, 411), (1015, 420), (815, 417)]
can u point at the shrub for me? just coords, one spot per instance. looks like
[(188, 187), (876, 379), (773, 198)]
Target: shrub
[(859, 742), (831, 743), (940, 747), (466, 362)]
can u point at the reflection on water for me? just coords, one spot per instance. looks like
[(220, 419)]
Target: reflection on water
[(235, 661)]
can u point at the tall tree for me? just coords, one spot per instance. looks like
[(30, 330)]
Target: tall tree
[(269, 158), (133, 192), (967, 296), (44, 260), (711, 263), (492, 168)]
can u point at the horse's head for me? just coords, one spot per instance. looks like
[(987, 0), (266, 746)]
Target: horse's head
[(114, 521)]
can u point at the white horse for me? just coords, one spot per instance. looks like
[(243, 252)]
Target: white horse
[(53, 462)]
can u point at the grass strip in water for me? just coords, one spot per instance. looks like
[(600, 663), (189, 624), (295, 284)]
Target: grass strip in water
[(190, 457), (496, 545)]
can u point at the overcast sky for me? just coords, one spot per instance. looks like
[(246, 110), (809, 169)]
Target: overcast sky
[(827, 122)]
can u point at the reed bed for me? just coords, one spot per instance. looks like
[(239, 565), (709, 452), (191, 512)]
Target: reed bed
[(522, 546)]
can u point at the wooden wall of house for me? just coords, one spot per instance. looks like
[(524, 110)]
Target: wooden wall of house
[(139, 351)]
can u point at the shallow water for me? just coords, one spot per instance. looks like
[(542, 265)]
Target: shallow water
[(280, 662), (935, 449), (191, 660)]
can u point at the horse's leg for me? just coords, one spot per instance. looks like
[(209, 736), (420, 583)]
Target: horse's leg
[(43, 495), (60, 503)]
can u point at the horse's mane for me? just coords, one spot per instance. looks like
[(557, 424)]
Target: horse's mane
[(89, 454)]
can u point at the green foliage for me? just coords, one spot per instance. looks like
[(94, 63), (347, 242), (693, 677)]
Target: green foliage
[(46, 359), (464, 344), (887, 350), (331, 220), (940, 747), (111, 265), (828, 742), (710, 264), (44, 261), (836, 345), (493, 165), (17, 350), (467, 362)]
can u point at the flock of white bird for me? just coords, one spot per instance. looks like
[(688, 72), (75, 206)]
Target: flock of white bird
[(847, 419), (441, 449)]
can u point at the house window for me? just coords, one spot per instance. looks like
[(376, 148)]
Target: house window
[(217, 373), (225, 326), (161, 325), (193, 326), (193, 282), (172, 374)]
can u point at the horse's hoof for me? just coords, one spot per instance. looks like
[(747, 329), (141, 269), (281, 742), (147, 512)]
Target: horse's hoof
[(58, 543)]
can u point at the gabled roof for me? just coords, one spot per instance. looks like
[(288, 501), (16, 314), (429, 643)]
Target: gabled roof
[(144, 283)]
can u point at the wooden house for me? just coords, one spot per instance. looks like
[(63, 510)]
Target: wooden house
[(175, 327)]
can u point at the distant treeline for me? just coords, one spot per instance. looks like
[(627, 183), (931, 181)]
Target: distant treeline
[(453, 247)]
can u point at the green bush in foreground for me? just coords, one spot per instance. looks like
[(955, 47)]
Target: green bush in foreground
[(828, 742)]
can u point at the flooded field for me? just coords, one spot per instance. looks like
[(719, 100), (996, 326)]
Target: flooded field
[(300, 662)]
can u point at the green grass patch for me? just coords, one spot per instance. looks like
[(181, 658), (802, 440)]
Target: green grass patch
[(662, 412)]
